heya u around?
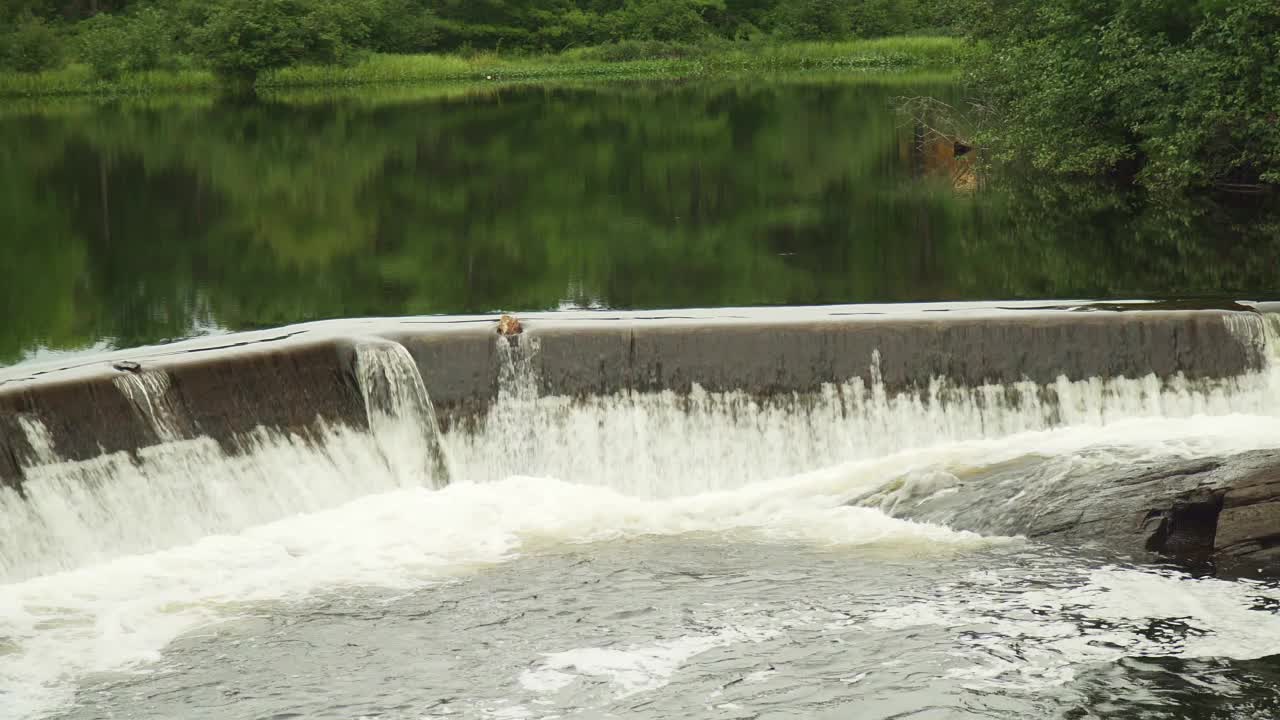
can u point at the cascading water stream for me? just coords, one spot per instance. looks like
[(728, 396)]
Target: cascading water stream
[(148, 392), (661, 444), (401, 417), (669, 444), (73, 513), (184, 534)]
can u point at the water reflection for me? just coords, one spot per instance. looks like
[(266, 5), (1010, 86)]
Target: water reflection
[(141, 222)]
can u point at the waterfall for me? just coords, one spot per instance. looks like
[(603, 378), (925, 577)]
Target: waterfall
[(512, 424), (148, 392), (662, 444), (80, 512), (401, 416), (648, 444)]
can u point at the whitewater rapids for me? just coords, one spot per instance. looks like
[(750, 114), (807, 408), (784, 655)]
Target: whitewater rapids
[(649, 556)]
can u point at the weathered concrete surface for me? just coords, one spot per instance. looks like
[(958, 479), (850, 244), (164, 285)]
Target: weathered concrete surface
[(798, 356), (294, 377), (1220, 513), (216, 393)]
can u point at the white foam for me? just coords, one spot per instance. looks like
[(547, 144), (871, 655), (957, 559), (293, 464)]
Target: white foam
[(289, 516), (665, 444), (645, 445), (631, 670), (124, 611), (75, 513)]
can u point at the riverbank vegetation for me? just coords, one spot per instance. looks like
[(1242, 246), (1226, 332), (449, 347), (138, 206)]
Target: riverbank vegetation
[(1173, 95), (65, 46), (1176, 95), (625, 60)]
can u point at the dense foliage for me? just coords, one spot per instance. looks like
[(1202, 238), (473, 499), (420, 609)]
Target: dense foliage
[(240, 38), (1184, 93), (29, 44)]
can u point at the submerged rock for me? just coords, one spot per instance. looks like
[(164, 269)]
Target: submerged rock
[(1220, 514)]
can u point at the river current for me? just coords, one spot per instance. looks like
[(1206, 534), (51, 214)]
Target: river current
[(629, 556), (610, 560)]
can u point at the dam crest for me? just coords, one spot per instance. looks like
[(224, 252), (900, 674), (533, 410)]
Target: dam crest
[(213, 436)]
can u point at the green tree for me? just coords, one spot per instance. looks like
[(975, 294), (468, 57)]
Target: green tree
[(404, 26), (242, 38), (31, 46), (812, 19), (879, 18), (115, 43), (670, 20), (1180, 95)]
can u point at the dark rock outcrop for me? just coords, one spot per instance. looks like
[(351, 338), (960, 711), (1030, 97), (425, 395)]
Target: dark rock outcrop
[(1219, 514)]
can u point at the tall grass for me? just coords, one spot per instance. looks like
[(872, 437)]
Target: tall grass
[(77, 79), (887, 53), (484, 67), (620, 60)]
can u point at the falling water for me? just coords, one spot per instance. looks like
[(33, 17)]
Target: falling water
[(74, 513), (668, 444), (148, 392), (401, 416), (662, 444), (282, 517)]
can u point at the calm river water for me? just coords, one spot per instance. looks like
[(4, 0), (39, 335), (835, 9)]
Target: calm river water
[(147, 220)]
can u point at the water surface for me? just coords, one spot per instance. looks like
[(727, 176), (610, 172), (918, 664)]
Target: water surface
[(641, 556), (146, 220), (646, 556)]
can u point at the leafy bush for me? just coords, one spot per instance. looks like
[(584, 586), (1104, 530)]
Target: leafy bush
[(670, 20), (560, 30), (881, 18), (114, 44), (1181, 95), (404, 26), (242, 38), (812, 20), (31, 46)]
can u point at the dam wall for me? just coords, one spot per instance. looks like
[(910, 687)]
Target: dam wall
[(301, 378), (1026, 408)]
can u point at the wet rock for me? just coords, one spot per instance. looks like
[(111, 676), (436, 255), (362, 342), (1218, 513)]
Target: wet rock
[(1218, 514), (127, 366)]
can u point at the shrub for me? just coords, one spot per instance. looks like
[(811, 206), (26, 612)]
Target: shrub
[(881, 18), (812, 19), (575, 27), (670, 20), (404, 26), (242, 38), (31, 46), (1180, 95), (114, 44)]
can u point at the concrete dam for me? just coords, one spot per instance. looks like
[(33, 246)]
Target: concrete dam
[(1142, 428)]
